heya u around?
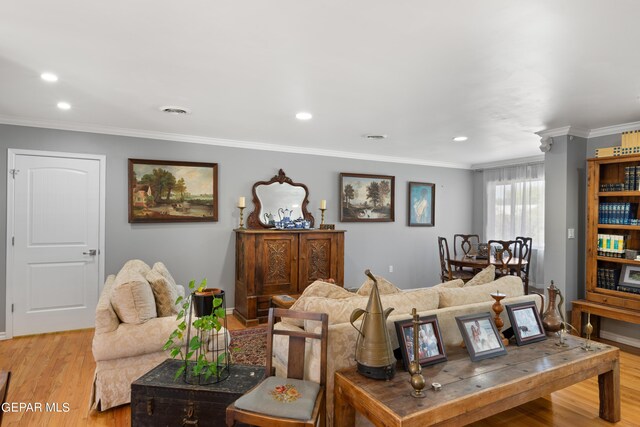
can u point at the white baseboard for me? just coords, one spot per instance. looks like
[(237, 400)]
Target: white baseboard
[(3, 336), (634, 342), (229, 310)]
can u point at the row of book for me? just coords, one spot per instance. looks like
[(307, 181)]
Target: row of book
[(632, 178), (618, 186), (621, 213), (612, 243), (607, 278), (630, 289)]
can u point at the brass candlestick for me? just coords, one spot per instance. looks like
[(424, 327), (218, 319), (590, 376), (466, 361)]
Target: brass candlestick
[(417, 380), (322, 219), (241, 217), (588, 330), (497, 309)]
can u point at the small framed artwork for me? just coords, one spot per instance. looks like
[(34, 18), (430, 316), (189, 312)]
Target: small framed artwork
[(430, 351), (630, 276), (526, 322), (421, 205), (169, 191), (366, 198), (480, 335)]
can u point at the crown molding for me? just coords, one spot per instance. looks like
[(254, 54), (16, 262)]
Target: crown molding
[(194, 139), (566, 130), (612, 130), (510, 162)]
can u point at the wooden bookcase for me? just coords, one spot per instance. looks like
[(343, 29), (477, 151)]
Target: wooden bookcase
[(610, 170)]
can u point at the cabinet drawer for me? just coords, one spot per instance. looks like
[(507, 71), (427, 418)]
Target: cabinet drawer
[(615, 301)]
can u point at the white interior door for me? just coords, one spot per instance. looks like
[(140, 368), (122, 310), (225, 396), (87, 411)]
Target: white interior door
[(56, 266)]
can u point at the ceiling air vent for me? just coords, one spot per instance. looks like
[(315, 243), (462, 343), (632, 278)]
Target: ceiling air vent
[(170, 109), (372, 137)]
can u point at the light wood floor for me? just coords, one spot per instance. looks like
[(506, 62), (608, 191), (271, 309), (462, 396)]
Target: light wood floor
[(58, 368)]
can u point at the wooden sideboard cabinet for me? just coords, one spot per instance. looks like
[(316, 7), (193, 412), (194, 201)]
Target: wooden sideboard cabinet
[(276, 262)]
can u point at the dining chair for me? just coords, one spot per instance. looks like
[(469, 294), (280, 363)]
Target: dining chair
[(507, 255), (525, 254), (446, 273), (289, 401), (464, 243)]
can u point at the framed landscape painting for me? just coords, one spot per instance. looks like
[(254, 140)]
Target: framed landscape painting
[(421, 204), (366, 198), (168, 191)]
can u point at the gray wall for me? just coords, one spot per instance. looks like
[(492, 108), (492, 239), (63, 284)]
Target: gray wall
[(194, 251)]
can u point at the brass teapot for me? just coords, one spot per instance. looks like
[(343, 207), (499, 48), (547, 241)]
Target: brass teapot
[(374, 355), (552, 318)]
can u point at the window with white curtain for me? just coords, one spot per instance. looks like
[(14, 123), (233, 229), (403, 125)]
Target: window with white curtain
[(514, 206)]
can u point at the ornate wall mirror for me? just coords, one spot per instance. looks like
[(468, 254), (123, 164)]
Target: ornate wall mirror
[(276, 198)]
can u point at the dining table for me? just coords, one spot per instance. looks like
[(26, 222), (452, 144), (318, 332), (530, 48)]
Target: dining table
[(477, 263)]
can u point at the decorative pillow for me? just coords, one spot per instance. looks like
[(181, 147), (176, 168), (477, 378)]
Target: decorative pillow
[(318, 288), (136, 265), (485, 276), (509, 285), (164, 293), (384, 287), (457, 283), (132, 297), (162, 269)]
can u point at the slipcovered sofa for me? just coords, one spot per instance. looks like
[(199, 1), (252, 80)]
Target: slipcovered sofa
[(447, 301), (135, 315)]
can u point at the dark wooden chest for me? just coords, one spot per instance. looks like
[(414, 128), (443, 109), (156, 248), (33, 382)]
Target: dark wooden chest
[(157, 400)]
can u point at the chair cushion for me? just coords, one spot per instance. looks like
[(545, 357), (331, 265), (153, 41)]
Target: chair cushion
[(281, 397), (164, 293), (457, 283), (487, 275), (509, 285)]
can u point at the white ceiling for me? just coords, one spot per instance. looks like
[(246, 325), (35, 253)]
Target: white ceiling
[(419, 71)]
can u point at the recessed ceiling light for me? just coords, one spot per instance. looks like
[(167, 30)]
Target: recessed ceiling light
[(460, 138), (172, 109), (303, 116), (64, 105), (49, 77), (374, 137)]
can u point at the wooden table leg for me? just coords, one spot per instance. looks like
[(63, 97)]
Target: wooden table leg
[(609, 386), (345, 414), (576, 319)]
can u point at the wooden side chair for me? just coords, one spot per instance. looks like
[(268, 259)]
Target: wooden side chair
[(290, 401), (464, 243), (446, 273), (4, 386), (507, 257), (525, 253)]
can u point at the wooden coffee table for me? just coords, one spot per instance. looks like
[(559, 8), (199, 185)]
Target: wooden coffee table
[(475, 390)]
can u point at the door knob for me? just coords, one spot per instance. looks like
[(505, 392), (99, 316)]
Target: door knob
[(91, 252)]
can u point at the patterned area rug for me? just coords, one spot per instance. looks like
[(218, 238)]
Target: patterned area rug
[(249, 346)]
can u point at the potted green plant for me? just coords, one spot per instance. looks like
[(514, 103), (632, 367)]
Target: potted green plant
[(206, 305)]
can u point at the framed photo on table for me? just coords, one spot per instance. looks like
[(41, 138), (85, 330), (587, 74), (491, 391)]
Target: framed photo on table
[(367, 198), (421, 204), (431, 349), (525, 322), (481, 336), (170, 191)]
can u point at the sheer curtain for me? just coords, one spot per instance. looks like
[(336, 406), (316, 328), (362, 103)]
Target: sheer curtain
[(514, 206)]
